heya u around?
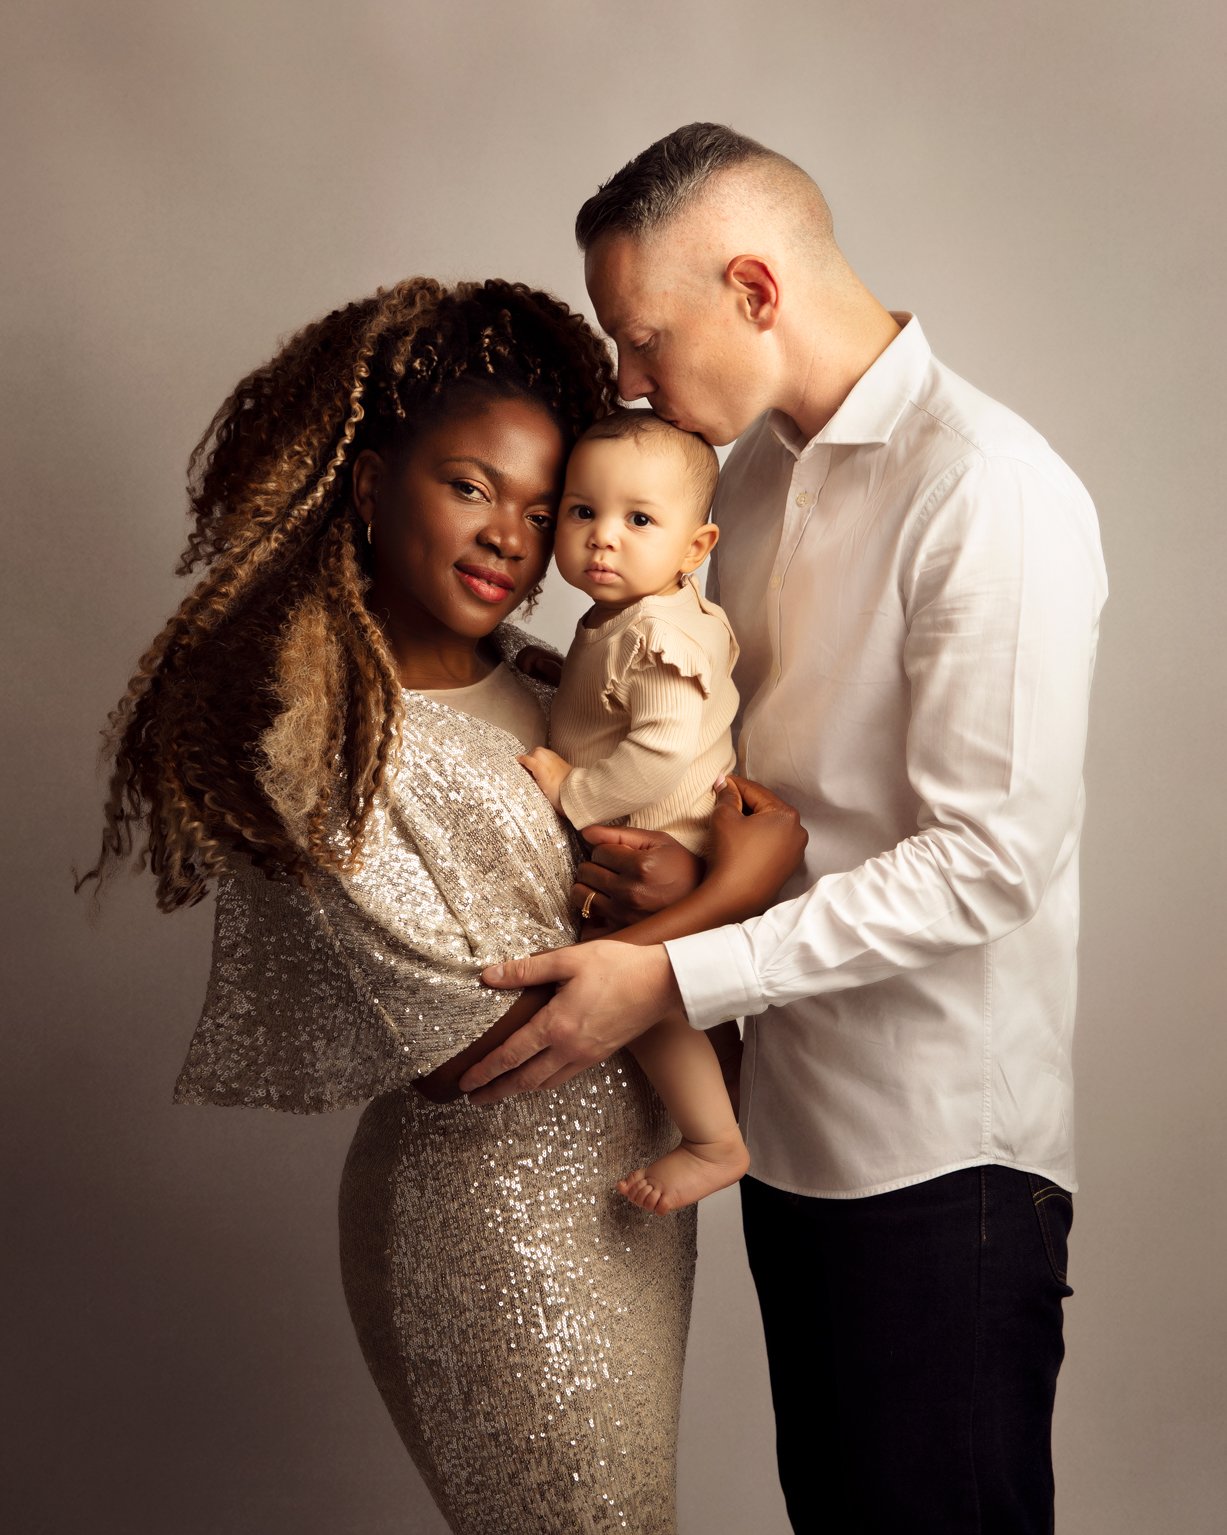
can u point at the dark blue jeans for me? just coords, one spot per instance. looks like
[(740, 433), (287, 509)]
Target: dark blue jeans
[(914, 1340)]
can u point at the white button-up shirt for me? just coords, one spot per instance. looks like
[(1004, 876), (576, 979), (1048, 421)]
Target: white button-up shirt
[(916, 592)]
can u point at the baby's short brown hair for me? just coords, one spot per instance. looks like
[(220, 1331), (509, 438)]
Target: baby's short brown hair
[(702, 465)]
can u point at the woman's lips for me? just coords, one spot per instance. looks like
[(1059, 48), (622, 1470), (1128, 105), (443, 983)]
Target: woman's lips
[(490, 585)]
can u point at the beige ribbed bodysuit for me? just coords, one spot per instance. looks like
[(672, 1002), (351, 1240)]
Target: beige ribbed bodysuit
[(644, 714)]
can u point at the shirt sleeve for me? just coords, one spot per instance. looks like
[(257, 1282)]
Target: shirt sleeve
[(1001, 589), (666, 682)]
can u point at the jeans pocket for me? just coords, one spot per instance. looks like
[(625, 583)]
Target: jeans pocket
[(1054, 1209)]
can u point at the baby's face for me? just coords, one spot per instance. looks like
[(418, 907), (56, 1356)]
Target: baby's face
[(627, 521)]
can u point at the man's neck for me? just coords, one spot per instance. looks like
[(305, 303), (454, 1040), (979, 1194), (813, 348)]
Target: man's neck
[(838, 344)]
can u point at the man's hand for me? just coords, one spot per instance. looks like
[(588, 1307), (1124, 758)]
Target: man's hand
[(550, 772), (608, 993), (633, 872)]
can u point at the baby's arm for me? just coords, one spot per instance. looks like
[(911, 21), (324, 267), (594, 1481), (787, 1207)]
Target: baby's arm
[(549, 770), (666, 720)]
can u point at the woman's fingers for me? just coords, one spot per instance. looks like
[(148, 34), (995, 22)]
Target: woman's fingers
[(756, 797), (607, 876), (623, 836), (588, 900)]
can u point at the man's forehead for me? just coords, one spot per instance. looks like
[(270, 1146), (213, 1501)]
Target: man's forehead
[(624, 277)]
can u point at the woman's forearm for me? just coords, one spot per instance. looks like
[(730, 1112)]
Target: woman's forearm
[(756, 843), (711, 904)]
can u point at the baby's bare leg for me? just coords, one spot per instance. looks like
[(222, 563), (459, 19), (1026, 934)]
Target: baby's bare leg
[(681, 1065)]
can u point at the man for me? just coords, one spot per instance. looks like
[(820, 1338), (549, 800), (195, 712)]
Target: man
[(915, 580)]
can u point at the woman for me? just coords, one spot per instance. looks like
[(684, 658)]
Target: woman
[(328, 727)]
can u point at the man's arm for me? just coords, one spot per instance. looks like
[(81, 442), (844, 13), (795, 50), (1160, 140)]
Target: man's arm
[(611, 990), (1002, 591)]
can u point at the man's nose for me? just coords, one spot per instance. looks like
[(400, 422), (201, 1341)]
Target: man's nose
[(633, 382)]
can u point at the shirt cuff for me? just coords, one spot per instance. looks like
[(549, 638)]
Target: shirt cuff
[(716, 976)]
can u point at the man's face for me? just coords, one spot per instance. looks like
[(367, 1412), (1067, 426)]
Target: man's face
[(685, 344)]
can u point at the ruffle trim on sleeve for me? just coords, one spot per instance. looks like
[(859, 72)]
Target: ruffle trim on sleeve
[(659, 643)]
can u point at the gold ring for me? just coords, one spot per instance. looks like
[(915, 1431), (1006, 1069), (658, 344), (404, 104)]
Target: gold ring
[(585, 910)]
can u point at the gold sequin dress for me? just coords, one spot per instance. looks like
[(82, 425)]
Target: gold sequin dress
[(524, 1324)]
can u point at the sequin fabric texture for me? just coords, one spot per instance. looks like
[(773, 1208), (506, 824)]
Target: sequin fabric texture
[(324, 998), (524, 1324)]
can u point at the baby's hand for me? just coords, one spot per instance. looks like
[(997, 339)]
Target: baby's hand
[(549, 770)]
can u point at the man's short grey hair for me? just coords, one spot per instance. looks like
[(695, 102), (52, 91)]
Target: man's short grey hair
[(656, 185)]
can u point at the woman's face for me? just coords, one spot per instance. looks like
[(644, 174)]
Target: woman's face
[(462, 521)]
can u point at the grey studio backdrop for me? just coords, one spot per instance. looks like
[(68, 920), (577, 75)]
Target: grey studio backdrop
[(186, 183)]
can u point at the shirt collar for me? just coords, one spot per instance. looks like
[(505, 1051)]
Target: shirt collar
[(875, 402)]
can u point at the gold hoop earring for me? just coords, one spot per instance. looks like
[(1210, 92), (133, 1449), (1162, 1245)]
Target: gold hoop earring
[(370, 532)]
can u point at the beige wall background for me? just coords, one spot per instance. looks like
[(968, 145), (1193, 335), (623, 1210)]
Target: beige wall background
[(185, 183)]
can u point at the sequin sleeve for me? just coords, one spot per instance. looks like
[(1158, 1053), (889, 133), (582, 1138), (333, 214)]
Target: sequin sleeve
[(325, 998)]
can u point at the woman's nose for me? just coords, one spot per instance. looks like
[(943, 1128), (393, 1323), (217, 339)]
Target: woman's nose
[(506, 535)]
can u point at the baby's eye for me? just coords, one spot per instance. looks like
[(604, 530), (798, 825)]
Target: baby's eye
[(580, 512), (644, 346), (640, 520)]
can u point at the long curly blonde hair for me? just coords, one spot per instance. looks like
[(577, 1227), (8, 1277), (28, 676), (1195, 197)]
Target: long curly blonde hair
[(262, 718)]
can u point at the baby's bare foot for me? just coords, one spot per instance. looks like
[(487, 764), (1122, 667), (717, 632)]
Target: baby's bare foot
[(686, 1174)]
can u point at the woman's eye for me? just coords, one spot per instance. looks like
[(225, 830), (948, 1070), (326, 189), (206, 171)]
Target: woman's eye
[(640, 520), (541, 520), (644, 346), (468, 490)]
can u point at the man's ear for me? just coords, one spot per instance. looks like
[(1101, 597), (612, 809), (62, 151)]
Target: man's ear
[(365, 480), (701, 545), (757, 288)]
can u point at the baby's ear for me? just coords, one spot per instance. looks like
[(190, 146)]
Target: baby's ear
[(701, 545)]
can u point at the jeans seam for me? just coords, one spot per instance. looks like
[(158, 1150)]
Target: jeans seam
[(977, 1344), (1040, 1196)]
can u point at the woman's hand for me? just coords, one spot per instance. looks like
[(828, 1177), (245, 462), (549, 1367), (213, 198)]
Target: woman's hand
[(631, 873), (757, 843)]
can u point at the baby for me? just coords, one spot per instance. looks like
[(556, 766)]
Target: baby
[(640, 727)]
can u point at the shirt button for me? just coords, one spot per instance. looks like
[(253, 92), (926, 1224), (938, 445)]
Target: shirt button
[(804, 498)]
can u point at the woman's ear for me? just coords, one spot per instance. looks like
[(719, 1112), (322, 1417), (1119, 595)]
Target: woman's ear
[(757, 289), (366, 480), (701, 545)]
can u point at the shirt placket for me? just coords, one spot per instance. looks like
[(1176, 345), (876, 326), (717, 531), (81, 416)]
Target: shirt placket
[(804, 490)]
